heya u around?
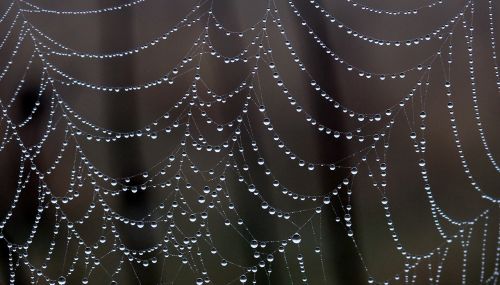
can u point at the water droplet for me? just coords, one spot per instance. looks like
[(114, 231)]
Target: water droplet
[(326, 200), (270, 258), (192, 218), (243, 278), (347, 217), (296, 238), (354, 171), (251, 188)]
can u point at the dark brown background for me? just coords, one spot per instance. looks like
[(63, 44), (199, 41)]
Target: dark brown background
[(410, 208)]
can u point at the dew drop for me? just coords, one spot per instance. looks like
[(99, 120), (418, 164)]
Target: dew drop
[(296, 238), (243, 278)]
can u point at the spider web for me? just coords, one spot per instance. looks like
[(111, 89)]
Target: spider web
[(248, 162)]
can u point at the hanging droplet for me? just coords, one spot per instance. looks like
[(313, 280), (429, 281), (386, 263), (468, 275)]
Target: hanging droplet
[(347, 217), (296, 238), (251, 188), (192, 218), (354, 171), (384, 201), (264, 205)]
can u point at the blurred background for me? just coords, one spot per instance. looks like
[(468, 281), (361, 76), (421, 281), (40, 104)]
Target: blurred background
[(371, 253)]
